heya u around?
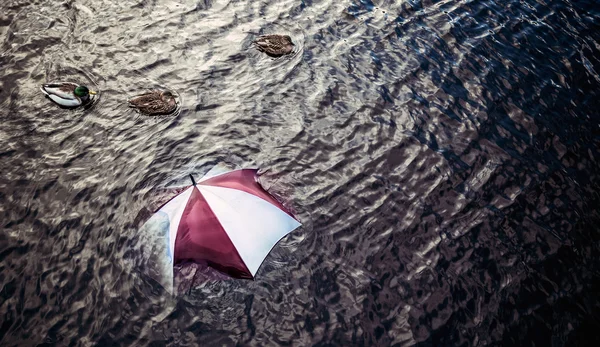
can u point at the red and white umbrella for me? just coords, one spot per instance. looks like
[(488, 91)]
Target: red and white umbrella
[(226, 221)]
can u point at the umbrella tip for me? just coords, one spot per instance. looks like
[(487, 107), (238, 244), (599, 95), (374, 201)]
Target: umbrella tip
[(193, 180)]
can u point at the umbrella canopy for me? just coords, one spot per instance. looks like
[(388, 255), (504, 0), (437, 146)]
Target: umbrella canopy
[(227, 221)]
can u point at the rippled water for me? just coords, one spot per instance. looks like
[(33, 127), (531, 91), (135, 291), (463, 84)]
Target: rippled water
[(442, 156)]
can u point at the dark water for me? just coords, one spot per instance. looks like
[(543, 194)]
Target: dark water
[(442, 155)]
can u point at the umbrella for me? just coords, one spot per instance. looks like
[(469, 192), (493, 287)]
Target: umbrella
[(226, 221)]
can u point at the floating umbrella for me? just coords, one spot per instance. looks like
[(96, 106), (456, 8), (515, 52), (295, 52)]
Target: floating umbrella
[(226, 221)]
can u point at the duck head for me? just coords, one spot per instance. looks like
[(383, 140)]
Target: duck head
[(83, 92)]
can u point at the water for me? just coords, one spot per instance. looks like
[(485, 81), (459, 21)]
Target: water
[(442, 156)]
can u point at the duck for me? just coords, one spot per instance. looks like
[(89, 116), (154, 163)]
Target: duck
[(275, 45), (67, 94), (154, 102)]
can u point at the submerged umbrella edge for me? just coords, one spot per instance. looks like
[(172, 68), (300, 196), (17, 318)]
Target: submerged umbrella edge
[(270, 250)]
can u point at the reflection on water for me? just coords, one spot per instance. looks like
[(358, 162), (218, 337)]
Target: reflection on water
[(442, 156)]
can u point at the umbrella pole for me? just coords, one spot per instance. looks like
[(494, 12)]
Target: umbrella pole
[(193, 180)]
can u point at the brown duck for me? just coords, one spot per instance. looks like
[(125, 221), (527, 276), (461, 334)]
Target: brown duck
[(275, 45), (154, 102)]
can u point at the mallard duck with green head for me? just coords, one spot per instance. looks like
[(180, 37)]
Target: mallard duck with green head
[(154, 102), (275, 45), (67, 94)]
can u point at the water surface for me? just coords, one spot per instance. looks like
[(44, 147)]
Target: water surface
[(442, 156)]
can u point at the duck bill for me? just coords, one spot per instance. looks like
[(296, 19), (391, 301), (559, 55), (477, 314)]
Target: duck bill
[(92, 92)]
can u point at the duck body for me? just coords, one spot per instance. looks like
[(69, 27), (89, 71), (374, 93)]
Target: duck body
[(67, 94), (154, 102), (275, 45)]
